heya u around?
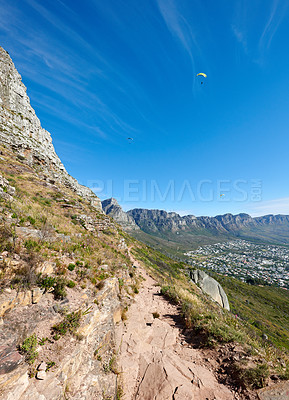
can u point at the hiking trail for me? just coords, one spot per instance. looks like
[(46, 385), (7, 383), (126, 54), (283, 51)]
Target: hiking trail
[(155, 362)]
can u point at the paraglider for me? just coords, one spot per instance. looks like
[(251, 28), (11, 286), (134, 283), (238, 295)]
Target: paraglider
[(202, 74), (130, 139)]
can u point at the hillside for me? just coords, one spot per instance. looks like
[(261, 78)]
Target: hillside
[(69, 275), (173, 233), (21, 131)]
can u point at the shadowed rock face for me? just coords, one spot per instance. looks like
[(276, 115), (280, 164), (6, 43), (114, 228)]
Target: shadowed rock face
[(114, 210), (21, 131), (211, 287)]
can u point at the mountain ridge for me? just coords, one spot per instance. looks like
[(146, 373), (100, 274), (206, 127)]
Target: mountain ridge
[(172, 226)]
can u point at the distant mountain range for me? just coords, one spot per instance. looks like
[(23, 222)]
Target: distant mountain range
[(173, 230)]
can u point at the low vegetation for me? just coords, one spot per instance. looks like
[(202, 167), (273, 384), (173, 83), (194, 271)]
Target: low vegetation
[(28, 349), (214, 327), (82, 260), (69, 324)]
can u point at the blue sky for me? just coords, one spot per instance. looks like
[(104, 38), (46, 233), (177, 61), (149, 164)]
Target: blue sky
[(98, 72)]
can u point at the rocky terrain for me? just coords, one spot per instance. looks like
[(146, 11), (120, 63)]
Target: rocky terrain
[(189, 230), (61, 262), (75, 320), (155, 360), (113, 209), (21, 131)]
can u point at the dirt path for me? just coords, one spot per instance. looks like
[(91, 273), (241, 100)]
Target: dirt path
[(154, 360)]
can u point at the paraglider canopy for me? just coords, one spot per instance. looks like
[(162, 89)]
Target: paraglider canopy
[(202, 74)]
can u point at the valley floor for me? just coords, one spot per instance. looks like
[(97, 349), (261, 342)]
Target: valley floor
[(155, 361)]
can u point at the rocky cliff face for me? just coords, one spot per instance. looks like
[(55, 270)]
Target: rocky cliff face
[(274, 228), (113, 209), (160, 220), (20, 130)]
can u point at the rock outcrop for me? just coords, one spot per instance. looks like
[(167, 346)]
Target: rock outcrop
[(211, 287), (20, 130), (114, 210), (82, 367), (6, 191), (186, 229)]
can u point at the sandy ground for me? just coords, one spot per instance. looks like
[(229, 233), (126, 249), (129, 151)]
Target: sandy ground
[(155, 362)]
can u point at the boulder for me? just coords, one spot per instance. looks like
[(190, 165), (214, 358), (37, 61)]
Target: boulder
[(36, 295), (211, 287)]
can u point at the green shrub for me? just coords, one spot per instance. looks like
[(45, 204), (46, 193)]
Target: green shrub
[(43, 340), (79, 263), (50, 364), (120, 283), (32, 245), (28, 349), (253, 377), (46, 282), (70, 323), (71, 267), (31, 220), (58, 285), (59, 289), (70, 284), (135, 289), (170, 293)]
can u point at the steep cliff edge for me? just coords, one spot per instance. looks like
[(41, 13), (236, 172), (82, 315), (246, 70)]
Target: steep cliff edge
[(114, 210), (20, 130)]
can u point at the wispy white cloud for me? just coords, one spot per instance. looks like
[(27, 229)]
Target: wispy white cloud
[(277, 13), (178, 25), (58, 24), (245, 27), (55, 68), (275, 206)]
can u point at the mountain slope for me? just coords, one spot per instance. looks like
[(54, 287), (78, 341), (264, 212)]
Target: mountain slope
[(67, 279), (169, 229), (21, 131)]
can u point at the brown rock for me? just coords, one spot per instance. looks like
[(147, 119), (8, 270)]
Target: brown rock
[(280, 391)]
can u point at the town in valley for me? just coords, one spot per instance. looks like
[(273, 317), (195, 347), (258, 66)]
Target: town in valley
[(250, 262)]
